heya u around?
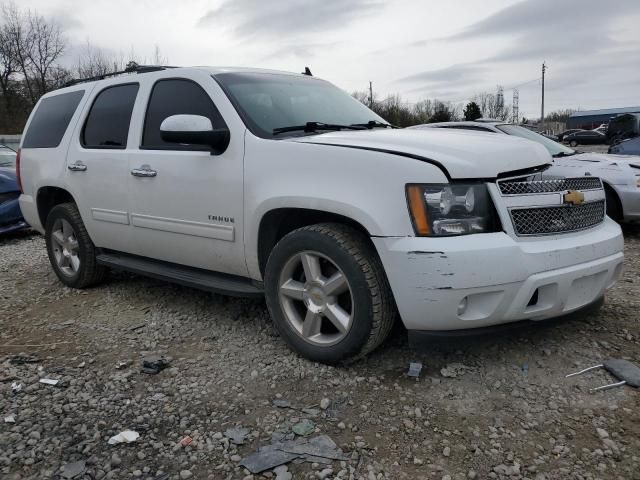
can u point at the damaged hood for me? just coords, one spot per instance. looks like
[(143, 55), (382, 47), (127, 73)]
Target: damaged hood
[(464, 154)]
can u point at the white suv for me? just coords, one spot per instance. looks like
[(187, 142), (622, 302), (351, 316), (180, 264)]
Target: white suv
[(254, 182)]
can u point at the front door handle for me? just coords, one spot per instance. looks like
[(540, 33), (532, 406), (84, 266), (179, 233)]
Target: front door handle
[(144, 171), (77, 167)]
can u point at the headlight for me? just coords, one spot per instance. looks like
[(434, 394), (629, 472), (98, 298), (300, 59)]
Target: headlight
[(451, 209)]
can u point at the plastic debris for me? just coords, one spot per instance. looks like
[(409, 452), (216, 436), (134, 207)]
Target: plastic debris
[(126, 436), (121, 365), (237, 434), (186, 441), (626, 372), (16, 387), (10, 419), (49, 381), (75, 469), (320, 449), (154, 364), (304, 427), (414, 369)]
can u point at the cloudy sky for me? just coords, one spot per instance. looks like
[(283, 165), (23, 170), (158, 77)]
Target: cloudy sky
[(446, 49)]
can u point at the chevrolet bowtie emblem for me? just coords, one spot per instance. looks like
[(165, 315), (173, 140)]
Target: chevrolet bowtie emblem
[(574, 197)]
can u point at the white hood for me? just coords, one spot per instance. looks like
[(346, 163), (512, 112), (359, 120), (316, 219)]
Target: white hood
[(463, 154)]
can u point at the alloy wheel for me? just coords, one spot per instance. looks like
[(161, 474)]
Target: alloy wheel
[(316, 298), (65, 247)]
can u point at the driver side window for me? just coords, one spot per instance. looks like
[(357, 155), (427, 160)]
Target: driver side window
[(176, 96)]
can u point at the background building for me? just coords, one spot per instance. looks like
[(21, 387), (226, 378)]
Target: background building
[(590, 119)]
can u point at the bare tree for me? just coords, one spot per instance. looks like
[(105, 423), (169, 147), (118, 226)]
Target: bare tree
[(8, 65), (491, 106), (95, 62), (48, 45)]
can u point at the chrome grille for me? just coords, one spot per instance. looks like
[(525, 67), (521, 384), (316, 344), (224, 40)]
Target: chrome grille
[(522, 187), (557, 219)]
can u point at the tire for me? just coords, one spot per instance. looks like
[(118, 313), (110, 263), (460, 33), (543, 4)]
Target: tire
[(614, 207), (340, 250), (573, 143), (71, 252)]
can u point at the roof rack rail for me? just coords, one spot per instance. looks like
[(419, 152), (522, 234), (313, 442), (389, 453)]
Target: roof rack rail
[(132, 67)]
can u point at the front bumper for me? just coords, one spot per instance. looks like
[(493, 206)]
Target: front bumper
[(489, 279)]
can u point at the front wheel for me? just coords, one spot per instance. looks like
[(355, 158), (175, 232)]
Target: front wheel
[(328, 294), (71, 251), (573, 143)]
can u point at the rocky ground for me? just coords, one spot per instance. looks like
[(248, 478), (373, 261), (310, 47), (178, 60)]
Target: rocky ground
[(496, 407)]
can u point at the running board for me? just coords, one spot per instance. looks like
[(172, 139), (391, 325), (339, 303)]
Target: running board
[(182, 275)]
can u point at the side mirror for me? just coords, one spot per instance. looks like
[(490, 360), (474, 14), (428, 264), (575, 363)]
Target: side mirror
[(194, 130)]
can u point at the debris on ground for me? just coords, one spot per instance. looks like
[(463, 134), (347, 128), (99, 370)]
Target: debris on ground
[(281, 403), (49, 381), (16, 387), (154, 364), (325, 403), (186, 441), (22, 359), (626, 372), (304, 427), (320, 449), (453, 370), (75, 469), (121, 365), (237, 434), (10, 419), (126, 436), (414, 369)]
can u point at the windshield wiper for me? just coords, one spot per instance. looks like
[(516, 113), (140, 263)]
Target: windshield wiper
[(563, 154), (373, 124), (310, 127)]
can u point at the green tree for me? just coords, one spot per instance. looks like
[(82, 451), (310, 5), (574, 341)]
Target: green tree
[(472, 112)]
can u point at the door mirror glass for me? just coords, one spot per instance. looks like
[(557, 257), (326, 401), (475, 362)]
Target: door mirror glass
[(194, 130)]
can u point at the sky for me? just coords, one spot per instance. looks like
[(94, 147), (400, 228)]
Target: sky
[(444, 49)]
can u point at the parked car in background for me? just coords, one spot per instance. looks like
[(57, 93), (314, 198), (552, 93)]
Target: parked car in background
[(585, 137), (619, 175), (299, 193), (568, 132), (10, 214), (630, 146), (623, 127)]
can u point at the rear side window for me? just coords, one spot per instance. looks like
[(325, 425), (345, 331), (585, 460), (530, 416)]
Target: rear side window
[(174, 97), (51, 120), (107, 124)]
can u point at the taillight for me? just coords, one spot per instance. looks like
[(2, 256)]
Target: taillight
[(18, 178)]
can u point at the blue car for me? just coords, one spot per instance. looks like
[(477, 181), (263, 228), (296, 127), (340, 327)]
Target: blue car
[(10, 214), (626, 147)]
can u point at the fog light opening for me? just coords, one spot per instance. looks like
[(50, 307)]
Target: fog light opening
[(534, 299), (462, 306)]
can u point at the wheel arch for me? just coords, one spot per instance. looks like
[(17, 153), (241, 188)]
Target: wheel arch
[(608, 188), (48, 197), (278, 222)]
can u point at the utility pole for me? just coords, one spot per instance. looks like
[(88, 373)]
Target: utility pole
[(516, 108), (544, 69), (370, 94)]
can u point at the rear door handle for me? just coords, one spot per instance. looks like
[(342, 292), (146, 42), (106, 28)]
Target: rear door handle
[(77, 167), (144, 171)]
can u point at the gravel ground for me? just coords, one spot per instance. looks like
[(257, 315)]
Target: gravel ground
[(495, 407)]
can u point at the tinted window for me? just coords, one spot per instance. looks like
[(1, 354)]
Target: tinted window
[(175, 97), (107, 125), (51, 120)]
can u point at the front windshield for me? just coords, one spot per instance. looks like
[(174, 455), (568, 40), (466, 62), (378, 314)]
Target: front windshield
[(554, 148), (268, 101)]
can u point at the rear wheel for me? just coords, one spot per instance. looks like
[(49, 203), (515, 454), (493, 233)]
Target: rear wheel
[(71, 251), (573, 143), (328, 294)]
